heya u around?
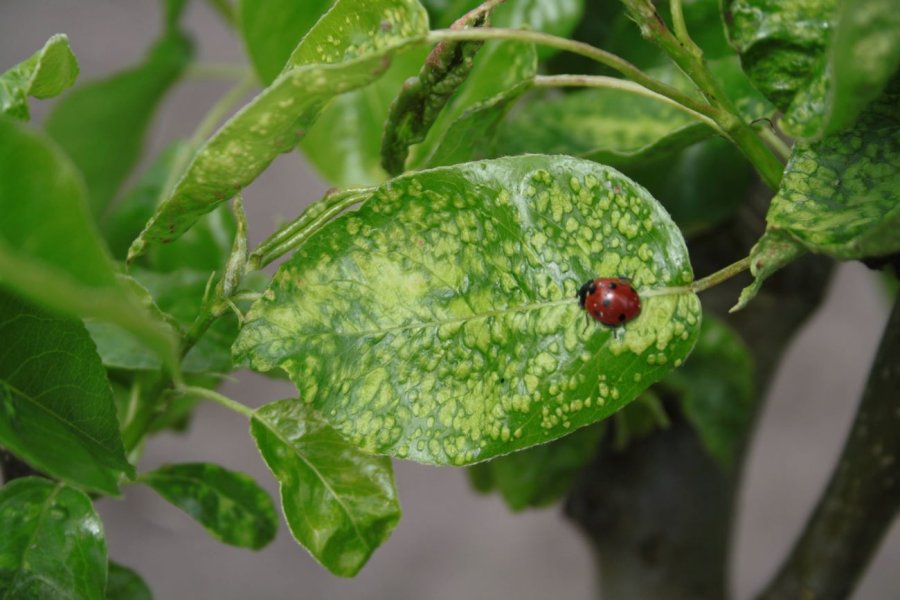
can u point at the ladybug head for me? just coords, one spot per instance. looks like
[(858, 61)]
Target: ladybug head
[(588, 288)]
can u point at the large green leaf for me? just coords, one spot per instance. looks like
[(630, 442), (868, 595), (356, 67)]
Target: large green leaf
[(272, 29), (102, 124), (439, 322), (716, 389), (330, 60), (49, 248), (340, 503), (56, 408), (230, 505), (52, 544), (839, 196), (44, 74), (124, 584), (781, 42), (541, 475)]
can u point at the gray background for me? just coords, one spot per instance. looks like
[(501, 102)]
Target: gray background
[(450, 543)]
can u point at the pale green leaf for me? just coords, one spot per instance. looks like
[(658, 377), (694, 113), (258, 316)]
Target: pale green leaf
[(45, 74), (439, 323), (52, 544), (230, 505), (339, 502), (330, 60), (45, 225)]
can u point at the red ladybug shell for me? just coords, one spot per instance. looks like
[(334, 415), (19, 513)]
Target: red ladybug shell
[(610, 300)]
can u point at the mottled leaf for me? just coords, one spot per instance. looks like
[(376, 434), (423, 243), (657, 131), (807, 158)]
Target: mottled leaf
[(45, 74), (124, 584), (45, 224), (56, 408), (330, 60), (781, 43), (52, 544), (715, 386), (230, 505), (272, 29), (541, 475), (438, 322), (339, 502), (102, 124)]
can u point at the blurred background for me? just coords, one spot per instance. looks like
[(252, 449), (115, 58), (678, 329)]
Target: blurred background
[(451, 543)]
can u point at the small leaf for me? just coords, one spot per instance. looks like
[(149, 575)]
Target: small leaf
[(328, 62), (45, 74), (781, 43), (439, 323), (101, 125), (340, 503), (124, 584), (52, 544), (773, 251), (230, 505), (56, 408), (272, 29), (45, 224), (716, 389), (541, 475)]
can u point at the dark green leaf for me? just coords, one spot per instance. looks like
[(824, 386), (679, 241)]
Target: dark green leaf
[(272, 29), (781, 43), (439, 322), (56, 408), (340, 503), (45, 74), (102, 124), (541, 475), (52, 544), (715, 386), (173, 9), (125, 584), (45, 226), (230, 505), (638, 420), (328, 62)]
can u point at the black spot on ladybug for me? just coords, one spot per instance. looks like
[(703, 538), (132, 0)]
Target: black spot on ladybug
[(613, 286), (607, 302), (621, 317)]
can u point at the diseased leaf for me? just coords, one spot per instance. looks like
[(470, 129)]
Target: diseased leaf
[(541, 475), (339, 502), (781, 43), (52, 544), (101, 125), (716, 389), (230, 505), (438, 322), (56, 408), (272, 29), (45, 224), (45, 74), (839, 196), (124, 584), (329, 61)]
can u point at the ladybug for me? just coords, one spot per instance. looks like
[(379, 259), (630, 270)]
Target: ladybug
[(610, 300)]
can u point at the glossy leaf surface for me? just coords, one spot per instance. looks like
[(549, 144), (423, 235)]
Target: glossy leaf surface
[(716, 389), (44, 74), (230, 505), (541, 475), (124, 584), (45, 223), (330, 61), (102, 124), (439, 322), (56, 408), (339, 502), (781, 43), (52, 544)]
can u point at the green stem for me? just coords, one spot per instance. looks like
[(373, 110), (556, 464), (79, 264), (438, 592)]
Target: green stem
[(613, 83), (225, 401), (303, 226), (776, 143), (699, 285), (680, 27), (612, 61)]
